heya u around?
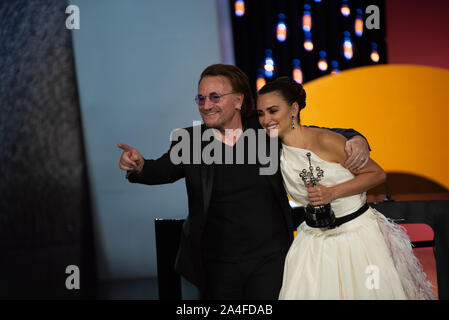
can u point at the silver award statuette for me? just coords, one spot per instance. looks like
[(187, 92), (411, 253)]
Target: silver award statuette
[(320, 216)]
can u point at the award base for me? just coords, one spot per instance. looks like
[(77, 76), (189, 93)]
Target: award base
[(320, 216)]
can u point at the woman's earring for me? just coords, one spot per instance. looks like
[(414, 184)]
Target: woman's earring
[(293, 122)]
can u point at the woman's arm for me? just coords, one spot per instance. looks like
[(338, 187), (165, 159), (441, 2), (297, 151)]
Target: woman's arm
[(332, 148)]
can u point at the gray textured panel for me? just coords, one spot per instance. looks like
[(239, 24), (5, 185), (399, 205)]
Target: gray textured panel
[(44, 197)]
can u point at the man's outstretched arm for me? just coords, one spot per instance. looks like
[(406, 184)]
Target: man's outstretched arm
[(151, 172)]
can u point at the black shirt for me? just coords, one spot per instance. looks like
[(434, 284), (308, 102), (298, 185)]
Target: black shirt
[(244, 218)]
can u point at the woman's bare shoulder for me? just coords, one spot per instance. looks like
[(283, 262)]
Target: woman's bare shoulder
[(332, 145)]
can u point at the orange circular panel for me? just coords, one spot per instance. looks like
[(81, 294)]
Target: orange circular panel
[(403, 111)]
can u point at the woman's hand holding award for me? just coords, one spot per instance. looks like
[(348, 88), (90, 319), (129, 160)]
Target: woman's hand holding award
[(320, 216)]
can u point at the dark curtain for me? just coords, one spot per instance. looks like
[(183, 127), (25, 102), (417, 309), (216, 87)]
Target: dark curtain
[(254, 32), (45, 210)]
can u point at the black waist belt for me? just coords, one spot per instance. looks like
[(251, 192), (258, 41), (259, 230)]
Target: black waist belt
[(339, 221)]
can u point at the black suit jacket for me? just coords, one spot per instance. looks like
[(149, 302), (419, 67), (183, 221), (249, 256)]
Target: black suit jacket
[(199, 180)]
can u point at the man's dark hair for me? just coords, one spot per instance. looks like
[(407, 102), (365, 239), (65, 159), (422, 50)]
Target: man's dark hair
[(239, 82)]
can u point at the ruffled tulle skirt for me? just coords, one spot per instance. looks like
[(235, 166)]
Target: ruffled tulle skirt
[(369, 257)]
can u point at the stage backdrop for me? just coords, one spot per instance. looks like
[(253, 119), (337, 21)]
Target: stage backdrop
[(138, 64), (45, 213), (306, 39), (402, 111)]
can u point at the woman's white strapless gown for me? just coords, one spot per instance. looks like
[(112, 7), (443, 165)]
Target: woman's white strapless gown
[(369, 257)]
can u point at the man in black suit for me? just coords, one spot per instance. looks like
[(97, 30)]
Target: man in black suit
[(239, 227)]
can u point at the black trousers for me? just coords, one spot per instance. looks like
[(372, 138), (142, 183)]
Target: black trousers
[(251, 279)]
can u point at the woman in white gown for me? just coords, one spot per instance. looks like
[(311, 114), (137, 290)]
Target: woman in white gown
[(367, 257)]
